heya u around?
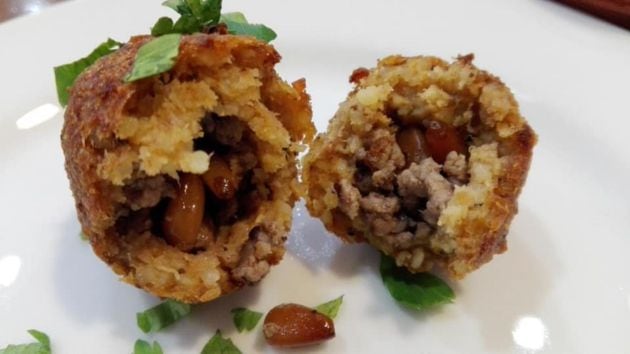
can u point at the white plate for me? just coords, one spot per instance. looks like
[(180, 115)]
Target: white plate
[(563, 286)]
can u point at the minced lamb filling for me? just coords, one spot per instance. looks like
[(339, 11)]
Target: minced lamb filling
[(232, 189), (405, 176), (416, 161), (187, 179)]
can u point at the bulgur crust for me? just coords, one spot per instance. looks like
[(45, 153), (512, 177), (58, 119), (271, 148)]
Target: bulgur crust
[(452, 215), (119, 137)]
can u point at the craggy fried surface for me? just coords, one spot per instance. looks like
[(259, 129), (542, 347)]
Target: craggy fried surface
[(125, 145), (360, 184)]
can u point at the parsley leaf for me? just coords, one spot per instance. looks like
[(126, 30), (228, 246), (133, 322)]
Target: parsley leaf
[(219, 345), (417, 291), (237, 24), (330, 308), (65, 75), (199, 12), (42, 347), (245, 319), (164, 25), (143, 347), (155, 57), (186, 25), (178, 5), (162, 315), (212, 9)]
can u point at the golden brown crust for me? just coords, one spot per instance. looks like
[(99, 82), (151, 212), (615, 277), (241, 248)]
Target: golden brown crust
[(101, 103), (403, 92), (483, 237)]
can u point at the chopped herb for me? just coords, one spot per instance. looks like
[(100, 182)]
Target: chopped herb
[(330, 308), (65, 75), (178, 5), (194, 15), (41, 347), (417, 291), (160, 54), (219, 345), (144, 347), (155, 57), (162, 315), (237, 24), (83, 236), (207, 12), (186, 25), (234, 17), (164, 25), (245, 319)]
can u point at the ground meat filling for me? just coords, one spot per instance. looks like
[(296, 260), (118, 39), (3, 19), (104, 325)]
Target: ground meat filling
[(424, 160), (399, 188), (189, 211)]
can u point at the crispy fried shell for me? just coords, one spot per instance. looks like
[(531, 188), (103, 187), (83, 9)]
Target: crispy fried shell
[(184, 182), (424, 160)]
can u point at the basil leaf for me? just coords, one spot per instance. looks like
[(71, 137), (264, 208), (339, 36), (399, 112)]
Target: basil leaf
[(417, 291), (65, 75), (164, 25), (42, 347), (162, 315), (143, 347), (330, 308), (237, 24), (219, 345), (155, 57), (245, 319)]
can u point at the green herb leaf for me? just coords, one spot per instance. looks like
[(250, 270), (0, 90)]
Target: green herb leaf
[(330, 308), (41, 337), (42, 347), (238, 17), (417, 291), (237, 24), (155, 57), (178, 5), (162, 315), (204, 12), (211, 11), (164, 25), (65, 75), (143, 347), (187, 25), (83, 236), (195, 8), (219, 345), (245, 319)]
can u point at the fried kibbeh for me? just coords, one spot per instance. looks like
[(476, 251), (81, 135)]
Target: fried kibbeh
[(424, 160), (184, 182)]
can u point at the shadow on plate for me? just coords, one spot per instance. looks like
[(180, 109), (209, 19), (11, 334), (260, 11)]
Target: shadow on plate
[(91, 294), (89, 291), (321, 251), (514, 287)]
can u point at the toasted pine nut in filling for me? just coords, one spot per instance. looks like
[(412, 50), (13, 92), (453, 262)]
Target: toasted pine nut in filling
[(424, 160), (185, 182)]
